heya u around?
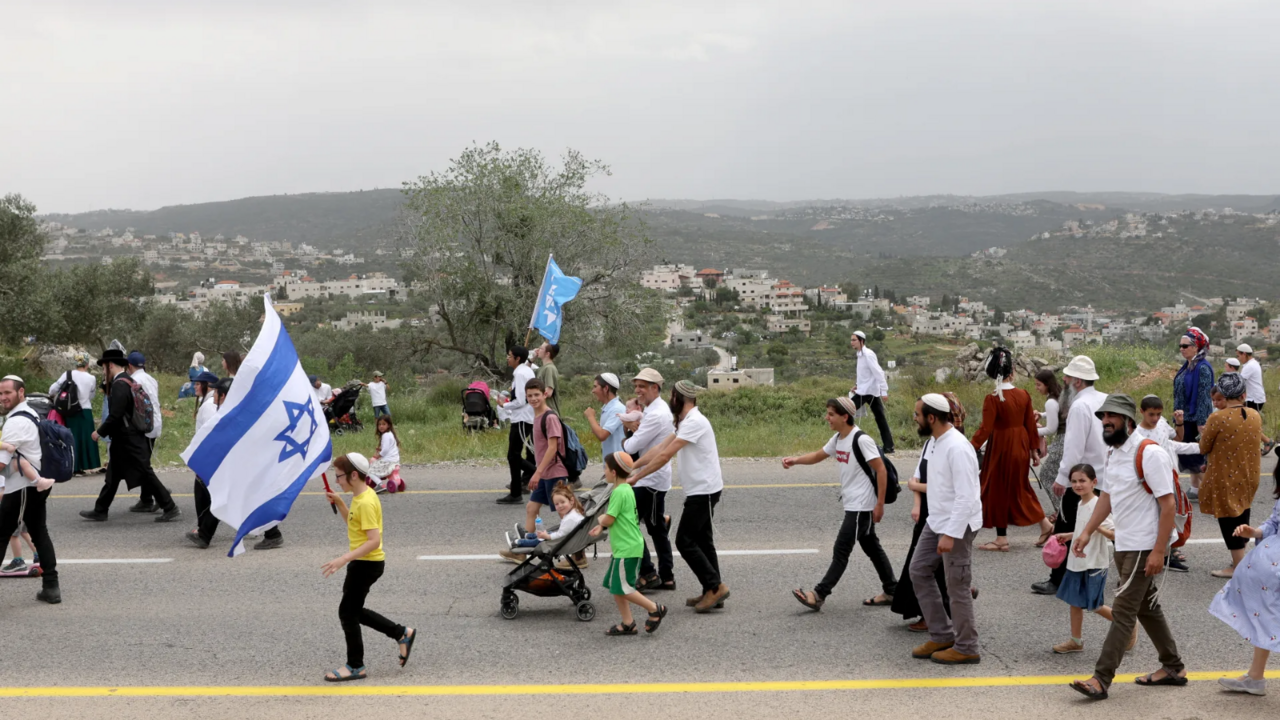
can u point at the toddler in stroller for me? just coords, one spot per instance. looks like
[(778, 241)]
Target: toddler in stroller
[(341, 412), (477, 412), (567, 505)]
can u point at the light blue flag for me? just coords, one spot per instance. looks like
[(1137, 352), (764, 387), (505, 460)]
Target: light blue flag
[(557, 289), (268, 439)]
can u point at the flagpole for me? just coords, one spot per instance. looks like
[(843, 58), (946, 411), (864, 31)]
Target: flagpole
[(541, 289)]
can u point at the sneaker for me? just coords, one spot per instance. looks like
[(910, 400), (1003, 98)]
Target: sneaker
[(1045, 587), (269, 543), (170, 515), (1068, 647), (93, 515), (198, 541), (15, 565), (1175, 564), (510, 556), (1193, 494), (582, 564), (1244, 684), (510, 500), (380, 490), (141, 507)]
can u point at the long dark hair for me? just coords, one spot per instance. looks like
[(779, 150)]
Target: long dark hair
[(391, 428), (1050, 381), (1000, 364)]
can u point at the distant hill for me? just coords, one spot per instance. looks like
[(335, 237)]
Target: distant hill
[(1137, 201)]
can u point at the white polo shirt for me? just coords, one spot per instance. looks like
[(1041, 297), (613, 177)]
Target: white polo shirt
[(1135, 511)]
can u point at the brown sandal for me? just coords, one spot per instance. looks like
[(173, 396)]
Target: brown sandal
[(993, 546), (803, 596)]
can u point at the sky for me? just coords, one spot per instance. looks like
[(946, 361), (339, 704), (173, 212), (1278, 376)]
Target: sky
[(144, 103)]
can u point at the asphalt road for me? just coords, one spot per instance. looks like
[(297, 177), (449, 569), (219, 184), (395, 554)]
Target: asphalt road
[(266, 622)]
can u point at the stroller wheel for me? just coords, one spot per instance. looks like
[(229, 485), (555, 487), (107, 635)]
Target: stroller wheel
[(586, 593), (337, 430), (511, 607), (586, 611)]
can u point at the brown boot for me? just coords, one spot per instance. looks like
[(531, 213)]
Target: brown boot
[(926, 651), (713, 599), (951, 656), (693, 601)]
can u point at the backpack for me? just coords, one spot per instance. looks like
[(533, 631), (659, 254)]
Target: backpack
[(571, 452), (892, 488), (1181, 505), (57, 449), (142, 419), (67, 402)]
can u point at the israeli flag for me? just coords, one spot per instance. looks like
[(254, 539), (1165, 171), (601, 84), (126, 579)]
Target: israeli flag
[(557, 289), (268, 439)]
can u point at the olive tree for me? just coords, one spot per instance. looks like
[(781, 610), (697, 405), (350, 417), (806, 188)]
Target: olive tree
[(480, 232)]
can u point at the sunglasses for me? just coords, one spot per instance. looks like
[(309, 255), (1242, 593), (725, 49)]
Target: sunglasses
[(1184, 346)]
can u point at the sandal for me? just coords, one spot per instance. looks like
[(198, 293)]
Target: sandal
[(1224, 574), (648, 582), (1044, 537), (407, 641), (620, 629), (1169, 679), (872, 602), (803, 596), (337, 676), (666, 585), (655, 619), (994, 546), (1084, 688)]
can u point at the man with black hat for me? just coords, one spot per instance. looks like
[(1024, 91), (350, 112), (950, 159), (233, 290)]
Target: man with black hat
[(129, 454), (1141, 503)]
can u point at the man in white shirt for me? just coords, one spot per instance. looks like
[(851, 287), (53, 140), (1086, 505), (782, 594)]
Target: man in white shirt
[(955, 516), (863, 499), (517, 410), (22, 501), (1081, 443), (80, 418), (322, 390), (137, 370), (378, 395), (1143, 511), (1251, 371), (871, 387), (655, 427)]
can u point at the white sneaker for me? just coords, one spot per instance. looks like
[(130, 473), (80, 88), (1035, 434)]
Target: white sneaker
[(1244, 684)]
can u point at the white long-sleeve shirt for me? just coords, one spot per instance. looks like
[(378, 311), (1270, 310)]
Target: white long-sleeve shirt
[(657, 425), (208, 409), (518, 408), (955, 491), (152, 389), (1253, 387), (1050, 416), (1083, 441), (86, 387), (1164, 434), (871, 379)]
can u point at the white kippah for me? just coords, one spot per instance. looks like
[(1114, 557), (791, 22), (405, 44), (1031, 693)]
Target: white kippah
[(610, 379), (13, 377), (936, 401)]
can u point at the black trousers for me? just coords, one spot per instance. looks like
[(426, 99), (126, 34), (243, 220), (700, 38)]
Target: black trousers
[(904, 600), (695, 541), (520, 459), (28, 505), (857, 529), (882, 423), (652, 505), (151, 487), (1228, 526), (361, 575), (1255, 405), (207, 522), (1065, 523)]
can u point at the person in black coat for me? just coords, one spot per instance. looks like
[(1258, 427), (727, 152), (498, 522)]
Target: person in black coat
[(129, 455)]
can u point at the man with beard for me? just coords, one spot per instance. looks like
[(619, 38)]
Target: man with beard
[(1142, 507), (955, 516), (1082, 443)]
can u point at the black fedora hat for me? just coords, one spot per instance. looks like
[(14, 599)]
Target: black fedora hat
[(113, 355)]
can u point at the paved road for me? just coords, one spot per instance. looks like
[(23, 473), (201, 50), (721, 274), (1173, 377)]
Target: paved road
[(268, 619)]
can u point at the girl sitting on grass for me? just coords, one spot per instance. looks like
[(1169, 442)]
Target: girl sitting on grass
[(623, 522)]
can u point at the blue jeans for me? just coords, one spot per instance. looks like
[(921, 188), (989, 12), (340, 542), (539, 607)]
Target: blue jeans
[(380, 410)]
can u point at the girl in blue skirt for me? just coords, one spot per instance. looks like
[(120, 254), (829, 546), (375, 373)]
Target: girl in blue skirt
[(1084, 587)]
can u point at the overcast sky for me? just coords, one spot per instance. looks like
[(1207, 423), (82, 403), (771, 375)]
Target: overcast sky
[(139, 104)]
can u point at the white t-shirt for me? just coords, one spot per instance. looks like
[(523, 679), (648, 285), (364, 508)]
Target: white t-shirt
[(857, 491), (24, 435), (699, 461), (322, 393), (152, 388), (389, 449), (1136, 511), (378, 393), (1097, 554), (86, 387)]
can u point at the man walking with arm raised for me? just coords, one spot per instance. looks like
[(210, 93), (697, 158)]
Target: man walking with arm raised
[(655, 427), (871, 387)]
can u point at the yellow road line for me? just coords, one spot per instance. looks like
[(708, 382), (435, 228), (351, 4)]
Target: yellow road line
[(492, 492), (583, 689)]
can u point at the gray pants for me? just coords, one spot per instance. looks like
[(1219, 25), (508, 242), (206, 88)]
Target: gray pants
[(960, 627)]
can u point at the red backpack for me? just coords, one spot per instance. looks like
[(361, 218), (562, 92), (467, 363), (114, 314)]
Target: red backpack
[(1181, 505)]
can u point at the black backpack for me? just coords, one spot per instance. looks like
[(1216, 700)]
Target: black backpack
[(68, 400), (571, 452), (57, 449), (892, 487)]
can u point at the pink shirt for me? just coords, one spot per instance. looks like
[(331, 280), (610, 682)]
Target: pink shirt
[(556, 469)]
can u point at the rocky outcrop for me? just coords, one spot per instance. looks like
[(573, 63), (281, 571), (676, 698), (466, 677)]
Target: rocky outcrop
[(52, 360), (971, 362)]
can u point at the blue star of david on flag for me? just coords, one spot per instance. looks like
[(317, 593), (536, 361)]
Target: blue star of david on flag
[(297, 413)]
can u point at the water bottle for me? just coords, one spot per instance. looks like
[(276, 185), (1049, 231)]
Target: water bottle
[(537, 527)]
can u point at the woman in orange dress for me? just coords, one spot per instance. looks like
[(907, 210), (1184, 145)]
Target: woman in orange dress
[(1009, 430)]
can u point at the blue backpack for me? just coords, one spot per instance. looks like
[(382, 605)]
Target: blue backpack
[(572, 454), (57, 449)]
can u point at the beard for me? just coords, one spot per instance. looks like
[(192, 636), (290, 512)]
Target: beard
[(1116, 437), (923, 430)]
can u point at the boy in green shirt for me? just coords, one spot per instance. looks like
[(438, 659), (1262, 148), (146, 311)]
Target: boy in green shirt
[(624, 538)]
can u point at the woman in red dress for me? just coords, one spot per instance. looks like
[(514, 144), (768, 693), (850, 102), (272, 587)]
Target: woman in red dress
[(1009, 430)]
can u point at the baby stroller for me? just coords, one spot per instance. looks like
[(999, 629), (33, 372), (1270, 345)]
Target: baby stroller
[(477, 413), (341, 413), (538, 574)]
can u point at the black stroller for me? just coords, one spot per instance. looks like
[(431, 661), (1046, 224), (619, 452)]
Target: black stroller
[(341, 412), (477, 413), (538, 574)]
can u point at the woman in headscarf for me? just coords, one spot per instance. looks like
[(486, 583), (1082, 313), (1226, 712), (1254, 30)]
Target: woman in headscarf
[(1009, 430), (197, 367), (1191, 388), (1230, 442)]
